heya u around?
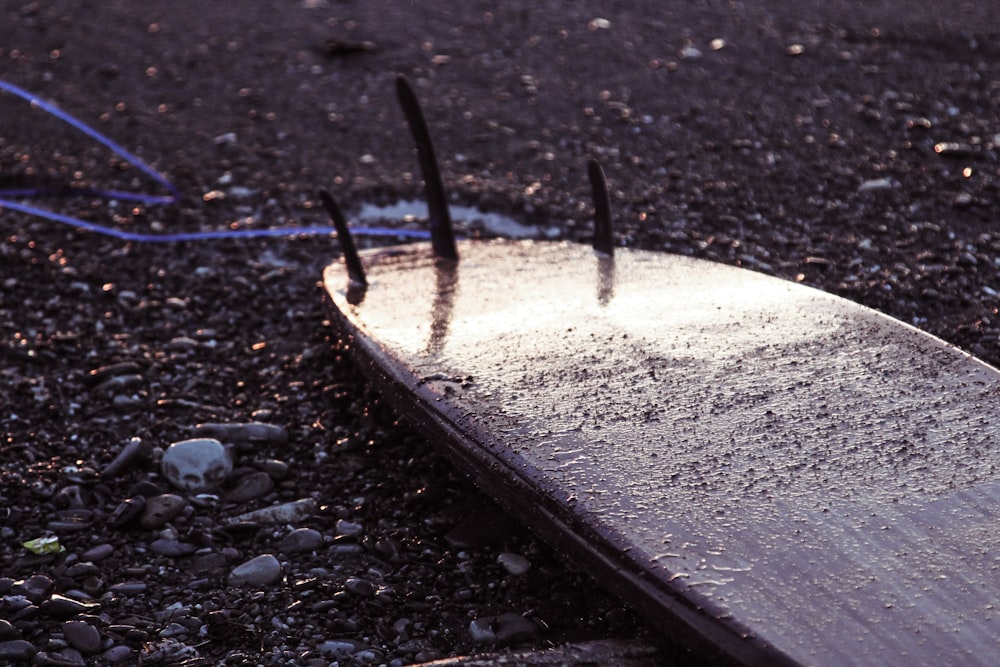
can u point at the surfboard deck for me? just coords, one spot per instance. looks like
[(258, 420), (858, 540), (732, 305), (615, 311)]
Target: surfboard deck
[(773, 474)]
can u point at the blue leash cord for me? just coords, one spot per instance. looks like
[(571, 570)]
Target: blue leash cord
[(143, 198)]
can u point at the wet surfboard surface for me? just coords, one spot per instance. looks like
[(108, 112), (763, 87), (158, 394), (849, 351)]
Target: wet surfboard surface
[(764, 469)]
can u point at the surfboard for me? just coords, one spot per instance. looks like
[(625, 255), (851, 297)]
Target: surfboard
[(767, 470), (773, 474)]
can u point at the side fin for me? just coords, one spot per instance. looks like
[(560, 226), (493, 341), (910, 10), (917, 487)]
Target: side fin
[(355, 271), (442, 237), (604, 235)]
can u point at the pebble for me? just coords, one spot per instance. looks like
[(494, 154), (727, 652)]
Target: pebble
[(82, 569), (70, 521), (275, 469), (7, 630), (263, 570), (173, 548), (69, 496), (196, 465), (127, 511), (876, 184), (689, 52), (62, 607), (82, 636), (285, 513), (250, 487), (503, 628), (244, 433), (100, 552), (514, 563), (134, 451), (349, 528), (117, 654), (17, 649), (160, 510), (35, 588), (120, 383), (66, 657), (360, 587), (301, 539), (129, 588), (340, 647)]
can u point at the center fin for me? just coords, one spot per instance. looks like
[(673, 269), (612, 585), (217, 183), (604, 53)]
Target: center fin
[(442, 237)]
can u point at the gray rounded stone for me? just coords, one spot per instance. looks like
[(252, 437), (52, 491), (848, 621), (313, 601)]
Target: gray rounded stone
[(302, 539), (173, 548), (196, 465), (516, 564), (251, 487), (260, 571), (160, 510), (100, 552)]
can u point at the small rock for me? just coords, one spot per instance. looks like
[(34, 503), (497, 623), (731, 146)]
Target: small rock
[(197, 464), (82, 636), (173, 548), (26, 613), (276, 469), (876, 184), (503, 628), (100, 552), (66, 657), (83, 569), (62, 607), (349, 528), (128, 510), (117, 654), (514, 563), (340, 647), (481, 630), (285, 513), (35, 588), (302, 539), (132, 453), (249, 432), (7, 630), (250, 487), (260, 571), (360, 587), (511, 626), (69, 496), (160, 510), (146, 489), (17, 650), (208, 563), (129, 588), (689, 52)]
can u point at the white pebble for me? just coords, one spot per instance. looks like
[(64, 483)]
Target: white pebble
[(196, 465), (514, 563)]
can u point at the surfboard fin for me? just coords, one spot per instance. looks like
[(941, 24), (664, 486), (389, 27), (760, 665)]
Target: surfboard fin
[(442, 236), (604, 235), (355, 271)]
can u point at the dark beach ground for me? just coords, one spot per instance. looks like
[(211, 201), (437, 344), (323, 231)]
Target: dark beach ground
[(848, 145)]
